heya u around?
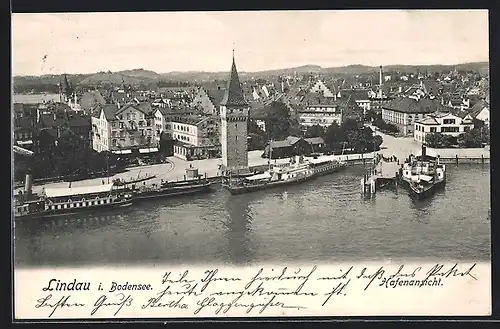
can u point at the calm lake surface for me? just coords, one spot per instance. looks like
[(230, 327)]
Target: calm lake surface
[(325, 220)]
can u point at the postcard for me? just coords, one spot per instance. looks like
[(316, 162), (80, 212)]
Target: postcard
[(251, 164)]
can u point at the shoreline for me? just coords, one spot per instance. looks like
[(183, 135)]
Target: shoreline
[(174, 168)]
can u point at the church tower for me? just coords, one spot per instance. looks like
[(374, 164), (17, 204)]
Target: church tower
[(65, 89), (234, 112)]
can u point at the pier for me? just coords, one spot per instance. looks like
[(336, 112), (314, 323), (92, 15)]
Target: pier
[(384, 171)]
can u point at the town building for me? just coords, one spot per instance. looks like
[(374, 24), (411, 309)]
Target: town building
[(121, 129), (319, 110), (234, 111), (25, 134), (292, 146), (91, 100), (208, 101), (481, 112), (360, 96), (196, 136), (444, 123), (320, 87), (404, 111)]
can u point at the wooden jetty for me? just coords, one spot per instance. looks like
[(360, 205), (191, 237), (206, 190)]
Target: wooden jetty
[(384, 172)]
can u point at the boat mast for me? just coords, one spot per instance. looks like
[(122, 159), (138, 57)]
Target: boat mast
[(270, 153)]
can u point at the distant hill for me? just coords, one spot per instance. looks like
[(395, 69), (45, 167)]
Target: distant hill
[(142, 76), (116, 78), (141, 73)]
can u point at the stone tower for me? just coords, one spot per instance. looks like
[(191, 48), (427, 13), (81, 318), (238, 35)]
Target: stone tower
[(65, 89), (234, 112)]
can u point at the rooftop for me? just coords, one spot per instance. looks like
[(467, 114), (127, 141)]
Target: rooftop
[(411, 105), (56, 192), (233, 95)]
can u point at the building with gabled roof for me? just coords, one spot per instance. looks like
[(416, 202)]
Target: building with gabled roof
[(481, 111), (446, 123), (121, 128), (208, 100), (404, 111), (292, 146)]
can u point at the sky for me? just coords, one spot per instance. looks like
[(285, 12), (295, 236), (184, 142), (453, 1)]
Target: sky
[(263, 40)]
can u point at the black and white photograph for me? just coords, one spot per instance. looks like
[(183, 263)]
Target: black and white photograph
[(250, 139)]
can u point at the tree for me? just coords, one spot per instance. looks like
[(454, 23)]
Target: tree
[(278, 121), (377, 141), (335, 137), (436, 140), (315, 131), (371, 115), (475, 137)]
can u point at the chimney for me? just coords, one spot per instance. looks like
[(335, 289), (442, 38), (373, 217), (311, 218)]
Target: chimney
[(380, 82), (380, 76), (28, 183)]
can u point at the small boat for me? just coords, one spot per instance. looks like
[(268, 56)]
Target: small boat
[(294, 172), (423, 175), (192, 183), (67, 201)]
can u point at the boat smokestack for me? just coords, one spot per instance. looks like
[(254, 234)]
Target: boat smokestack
[(28, 186), (423, 150)]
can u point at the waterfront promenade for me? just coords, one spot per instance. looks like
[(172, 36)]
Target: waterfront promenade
[(175, 168)]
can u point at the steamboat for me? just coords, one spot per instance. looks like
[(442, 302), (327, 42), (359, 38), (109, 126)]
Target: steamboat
[(423, 175), (296, 171), (192, 183), (67, 201)]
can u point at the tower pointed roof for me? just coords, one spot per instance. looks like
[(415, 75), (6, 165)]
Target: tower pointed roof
[(65, 86), (234, 94)]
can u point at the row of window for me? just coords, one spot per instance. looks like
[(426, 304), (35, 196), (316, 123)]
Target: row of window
[(23, 136), (142, 132), (320, 114), (449, 121), (131, 116), (182, 137), (79, 204), (322, 109), (133, 124), (450, 129), (132, 141)]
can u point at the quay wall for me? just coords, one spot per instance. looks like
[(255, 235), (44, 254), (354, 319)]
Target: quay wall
[(352, 159), (461, 155), (459, 152)]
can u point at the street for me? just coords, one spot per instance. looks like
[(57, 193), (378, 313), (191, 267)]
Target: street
[(401, 147)]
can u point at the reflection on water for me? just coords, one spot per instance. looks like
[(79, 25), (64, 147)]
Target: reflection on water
[(322, 220)]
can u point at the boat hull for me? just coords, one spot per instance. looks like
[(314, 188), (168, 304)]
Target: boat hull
[(426, 192), (172, 192), (252, 188), (74, 211), (257, 187)]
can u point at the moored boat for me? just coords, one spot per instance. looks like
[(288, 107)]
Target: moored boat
[(297, 171), (192, 183), (423, 175), (67, 201)]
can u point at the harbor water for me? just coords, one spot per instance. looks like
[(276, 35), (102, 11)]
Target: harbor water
[(324, 220)]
